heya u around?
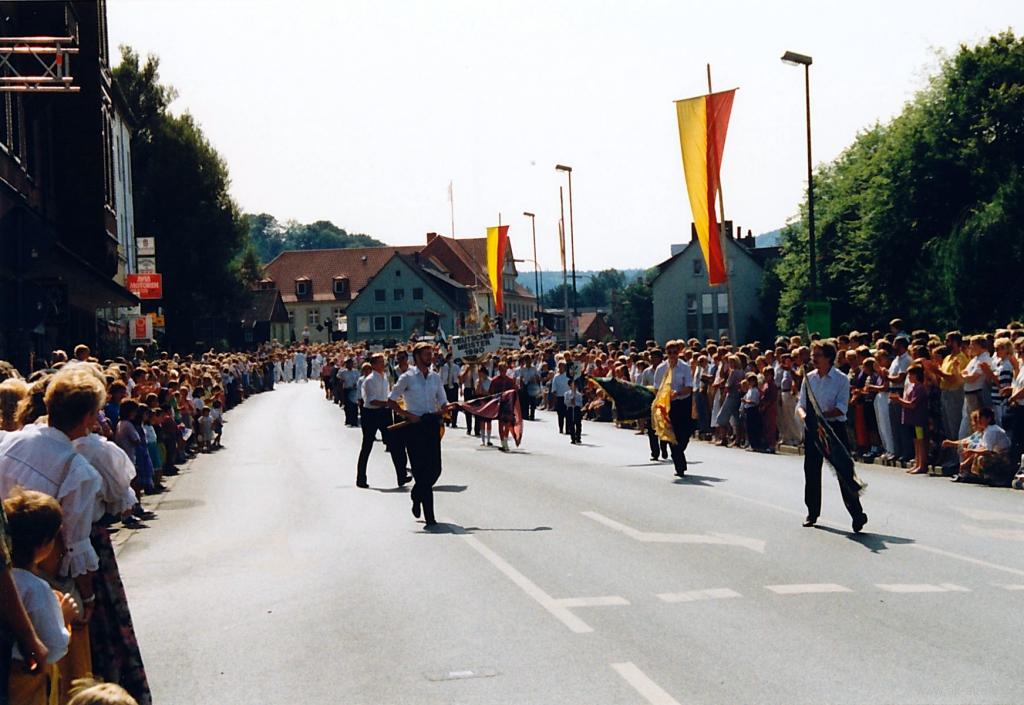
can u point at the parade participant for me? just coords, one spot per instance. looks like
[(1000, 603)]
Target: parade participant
[(467, 378), (528, 381), (483, 389), (424, 401), (395, 442), (376, 416), (680, 411), (573, 413), (500, 384), (559, 386), (659, 448), (349, 378), (449, 372), (831, 389), (299, 363)]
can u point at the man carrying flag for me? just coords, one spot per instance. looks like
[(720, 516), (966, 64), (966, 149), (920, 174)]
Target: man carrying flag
[(824, 400), (676, 375)]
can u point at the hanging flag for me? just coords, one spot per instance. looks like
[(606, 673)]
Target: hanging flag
[(632, 401), (497, 243), (561, 241), (703, 122), (431, 321), (660, 408)]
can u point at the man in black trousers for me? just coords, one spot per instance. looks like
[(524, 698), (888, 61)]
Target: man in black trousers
[(376, 416), (425, 403), (831, 389)]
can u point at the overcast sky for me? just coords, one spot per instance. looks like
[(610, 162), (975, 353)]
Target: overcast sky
[(362, 112)]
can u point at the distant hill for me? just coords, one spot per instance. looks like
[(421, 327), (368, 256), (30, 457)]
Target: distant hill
[(769, 239), (551, 280), (271, 238)]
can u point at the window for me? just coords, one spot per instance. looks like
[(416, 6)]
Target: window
[(691, 303), (313, 317), (399, 294), (363, 324), (706, 304), (301, 288), (248, 335), (291, 316), (337, 313), (397, 323), (380, 323), (691, 315), (417, 293), (339, 286), (378, 295), (698, 267), (723, 303), (398, 272)]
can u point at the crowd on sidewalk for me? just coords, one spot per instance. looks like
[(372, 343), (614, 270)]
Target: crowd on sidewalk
[(80, 442)]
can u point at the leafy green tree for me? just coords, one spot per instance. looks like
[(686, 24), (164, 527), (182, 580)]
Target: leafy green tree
[(181, 199), (250, 267), (271, 238), (635, 313), (598, 291), (556, 298), (921, 217)]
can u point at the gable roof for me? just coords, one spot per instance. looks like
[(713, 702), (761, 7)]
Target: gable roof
[(760, 255), (358, 264), (263, 307)]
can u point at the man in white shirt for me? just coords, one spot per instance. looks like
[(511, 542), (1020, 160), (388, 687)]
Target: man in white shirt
[(903, 440), (449, 372), (349, 378), (376, 416), (528, 382), (559, 386), (425, 402), (831, 390), (681, 407)]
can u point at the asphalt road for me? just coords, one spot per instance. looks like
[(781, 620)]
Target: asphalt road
[(564, 574)]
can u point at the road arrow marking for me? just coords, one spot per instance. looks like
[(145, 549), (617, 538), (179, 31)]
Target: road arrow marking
[(709, 538)]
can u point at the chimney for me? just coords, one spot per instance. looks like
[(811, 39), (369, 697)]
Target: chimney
[(431, 237)]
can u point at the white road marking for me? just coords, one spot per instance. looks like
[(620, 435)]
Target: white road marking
[(709, 538), (1005, 534), (985, 515), (967, 559), (920, 587), (808, 588), (650, 690), (610, 601), (692, 595), (1009, 586), (526, 585)]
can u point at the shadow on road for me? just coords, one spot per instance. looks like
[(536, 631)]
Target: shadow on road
[(702, 480), (450, 488), (446, 528), (873, 542)]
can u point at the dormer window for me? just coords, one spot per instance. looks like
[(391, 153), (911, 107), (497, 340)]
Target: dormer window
[(302, 286), (340, 286)]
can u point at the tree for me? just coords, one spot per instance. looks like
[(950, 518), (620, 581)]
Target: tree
[(250, 268), (598, 291), (556, 298), (635, 314), (181, 199), (271, 238), (921, 217)]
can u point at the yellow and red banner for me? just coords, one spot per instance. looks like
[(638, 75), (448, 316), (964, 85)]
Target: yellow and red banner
[(703, 122), (497, 243)]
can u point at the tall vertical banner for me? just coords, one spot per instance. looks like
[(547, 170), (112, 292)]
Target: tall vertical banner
[(497, 243), (703, 122)]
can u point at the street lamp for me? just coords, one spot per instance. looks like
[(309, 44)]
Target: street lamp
[(794, 59), (536, 273), (572, 245)]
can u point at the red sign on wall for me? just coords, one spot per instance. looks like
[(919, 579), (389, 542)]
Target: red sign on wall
[(146, 286)]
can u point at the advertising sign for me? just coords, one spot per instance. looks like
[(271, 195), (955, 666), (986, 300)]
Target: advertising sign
[(147, 265), (140, 330), (146, 286), (473, 346), (158, 321), (146, 246)]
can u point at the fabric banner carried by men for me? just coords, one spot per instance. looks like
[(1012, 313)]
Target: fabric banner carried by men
[(632, 401), (503, 407), (660, 410), (831, 447), (703, 122)]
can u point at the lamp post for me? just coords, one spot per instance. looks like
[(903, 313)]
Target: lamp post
[(794, 59), (536, 272), (572, 246)]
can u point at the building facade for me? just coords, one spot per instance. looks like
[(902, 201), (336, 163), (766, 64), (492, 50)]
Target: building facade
[(687, 306)]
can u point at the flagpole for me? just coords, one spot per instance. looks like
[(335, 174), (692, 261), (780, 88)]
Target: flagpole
[(451, 199), (725, 247)]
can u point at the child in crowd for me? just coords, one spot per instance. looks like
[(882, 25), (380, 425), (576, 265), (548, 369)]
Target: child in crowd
[(483, 389), (218, 422), (205, 430), (574, 413), (915, 415), (87, 691), (35, 520), (751, 411)]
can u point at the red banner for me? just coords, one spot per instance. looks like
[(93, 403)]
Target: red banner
[(146, 286)]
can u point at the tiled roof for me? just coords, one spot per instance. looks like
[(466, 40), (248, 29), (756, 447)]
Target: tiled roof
[(358, 264), (261, 307)]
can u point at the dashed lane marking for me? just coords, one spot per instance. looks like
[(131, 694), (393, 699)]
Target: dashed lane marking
[(709, 538), (920, 587), (609, 601), (1009, 586), (560, 612), (693, 595), (807, 588), (650, 690)]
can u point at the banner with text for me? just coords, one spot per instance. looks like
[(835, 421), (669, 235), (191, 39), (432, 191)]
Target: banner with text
[(473, 346)]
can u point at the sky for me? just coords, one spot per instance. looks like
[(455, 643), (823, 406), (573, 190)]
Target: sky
[(363, 113)]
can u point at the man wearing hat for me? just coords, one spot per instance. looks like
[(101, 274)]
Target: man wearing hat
[(424, 403)]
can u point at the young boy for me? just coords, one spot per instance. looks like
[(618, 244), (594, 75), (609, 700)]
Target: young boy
[(205, 430), (218, 422), (574, 413), (35, 520)]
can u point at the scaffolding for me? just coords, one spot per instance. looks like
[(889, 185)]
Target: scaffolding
[(50, 72)]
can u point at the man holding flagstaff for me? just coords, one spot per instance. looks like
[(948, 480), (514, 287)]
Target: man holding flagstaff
[(681, 394), (425, 404)]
